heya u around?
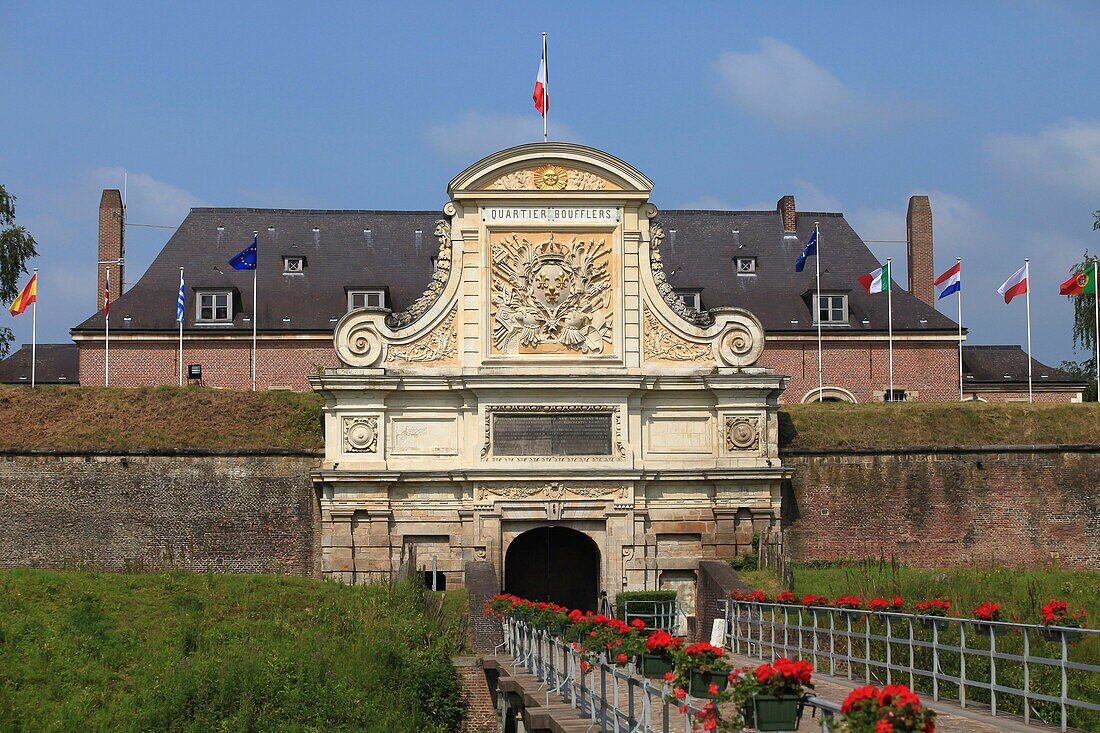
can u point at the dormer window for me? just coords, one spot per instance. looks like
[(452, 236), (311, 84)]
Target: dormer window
[(294, 265), (215, 306), (690, 298), (746, 265), (831, 309), (366, 299)]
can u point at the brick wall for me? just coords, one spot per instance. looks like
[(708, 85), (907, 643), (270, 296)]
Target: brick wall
[(918, 228), (1021, 396), (716, 580), (111, 244), (478, 716), (225, 365), (195, 512), (927, 370), (481, 585), (1010, 506)]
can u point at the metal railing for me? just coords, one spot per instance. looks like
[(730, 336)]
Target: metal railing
[(948, 658), (664, 615), (612, 698)]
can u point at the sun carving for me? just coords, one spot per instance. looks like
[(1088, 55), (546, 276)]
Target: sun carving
[(551, 178)]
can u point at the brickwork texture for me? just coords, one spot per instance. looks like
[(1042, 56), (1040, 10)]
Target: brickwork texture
[(1014, 507), (478, 716), (240, 514)]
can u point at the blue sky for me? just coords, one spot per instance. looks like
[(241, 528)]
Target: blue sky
[(988, 107)]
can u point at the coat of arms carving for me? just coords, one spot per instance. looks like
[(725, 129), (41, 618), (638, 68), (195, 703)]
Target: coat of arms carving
[(551, 293)]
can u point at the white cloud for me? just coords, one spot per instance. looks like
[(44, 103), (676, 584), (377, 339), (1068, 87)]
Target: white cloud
[(1065, 155), (808, 197), (475, 134), (157, 202), (781, 84)]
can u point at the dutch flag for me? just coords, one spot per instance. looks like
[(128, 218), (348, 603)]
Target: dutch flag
[(949, 282)]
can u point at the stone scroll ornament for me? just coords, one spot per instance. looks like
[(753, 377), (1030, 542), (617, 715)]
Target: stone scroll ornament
[(692, 316), (435, 288), (551, 293)]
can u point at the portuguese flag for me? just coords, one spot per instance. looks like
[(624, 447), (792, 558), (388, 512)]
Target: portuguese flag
[(1081, 283)]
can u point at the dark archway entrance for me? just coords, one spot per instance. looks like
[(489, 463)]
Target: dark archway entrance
[(554, 564)]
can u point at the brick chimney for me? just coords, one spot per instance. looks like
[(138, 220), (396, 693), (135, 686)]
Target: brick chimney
[(918, 232), (785, 207), (111, 247)]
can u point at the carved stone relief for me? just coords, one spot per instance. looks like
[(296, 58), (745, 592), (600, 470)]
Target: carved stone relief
[(550, 178), (361, 434), (440, 276), (694, 317), (551, 294), (553, 490), (742, 433), (437, 345), (618, 450), (658, 342)]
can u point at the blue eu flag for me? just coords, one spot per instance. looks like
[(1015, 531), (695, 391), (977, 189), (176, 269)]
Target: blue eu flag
[(246, 258), (808, 251)]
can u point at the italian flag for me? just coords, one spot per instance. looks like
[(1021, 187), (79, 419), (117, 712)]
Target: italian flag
[(877, 281), (1082, 283)]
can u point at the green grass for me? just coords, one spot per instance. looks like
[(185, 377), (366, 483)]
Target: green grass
[(1021, 594), (881, 425), (187, 652), (97, 418)]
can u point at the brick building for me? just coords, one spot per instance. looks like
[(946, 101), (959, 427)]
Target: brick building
[(316, 265)]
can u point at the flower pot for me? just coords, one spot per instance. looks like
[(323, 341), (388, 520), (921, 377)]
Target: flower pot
[(701, 681), (1055, 635), (775, 713), (939, 623), (984, 628), (654, 666)]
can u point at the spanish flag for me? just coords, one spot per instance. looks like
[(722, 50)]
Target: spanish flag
[(28, 295)]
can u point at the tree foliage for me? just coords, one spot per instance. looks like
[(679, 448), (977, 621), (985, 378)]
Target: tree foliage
[(16, 247)]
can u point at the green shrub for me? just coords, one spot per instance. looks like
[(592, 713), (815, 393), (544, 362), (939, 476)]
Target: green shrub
[(641, 595)]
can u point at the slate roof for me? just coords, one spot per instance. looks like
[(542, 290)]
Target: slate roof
[(699, 251), (1008, 365), (57, 364)]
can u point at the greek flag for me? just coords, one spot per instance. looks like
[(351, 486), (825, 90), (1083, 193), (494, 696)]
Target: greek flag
[(179, 300)]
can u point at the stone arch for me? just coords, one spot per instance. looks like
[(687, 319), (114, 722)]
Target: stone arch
[(554, 562), (829, 394)]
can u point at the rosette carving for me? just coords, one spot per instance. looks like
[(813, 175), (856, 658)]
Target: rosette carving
[(692, 316), (742, 433), (438, 282), (361, 434)]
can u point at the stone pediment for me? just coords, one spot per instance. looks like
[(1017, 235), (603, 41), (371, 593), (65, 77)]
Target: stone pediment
[(550, 178)]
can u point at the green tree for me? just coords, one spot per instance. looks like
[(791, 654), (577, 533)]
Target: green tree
[(16, 247)]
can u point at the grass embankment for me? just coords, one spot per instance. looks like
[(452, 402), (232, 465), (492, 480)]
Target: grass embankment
[(1021, 594), (87, 418), (881, 425), (96, 418), (186, 652)]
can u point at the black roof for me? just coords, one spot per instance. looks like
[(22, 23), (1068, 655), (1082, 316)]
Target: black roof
[(1008, 365), (57, 364), (381, 249)]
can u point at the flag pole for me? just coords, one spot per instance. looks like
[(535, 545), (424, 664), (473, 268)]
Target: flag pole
[(181, 335), (1027, 293), (34, 328), (890, 323), (255, 270), (1096, 322), (959, 260), (546, 91), (820, 364)]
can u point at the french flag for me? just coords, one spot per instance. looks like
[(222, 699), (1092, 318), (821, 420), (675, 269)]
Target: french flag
[(541, 95), (951, 281), (1015, 285)]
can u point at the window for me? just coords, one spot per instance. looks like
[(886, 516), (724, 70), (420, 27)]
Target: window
[(896, 395), (215, 307), (690, 298), (833, 309), (294, 265), (366, 299), (746, 265)]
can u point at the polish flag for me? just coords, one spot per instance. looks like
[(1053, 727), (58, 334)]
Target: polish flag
[(1015, 285), (541, 95)]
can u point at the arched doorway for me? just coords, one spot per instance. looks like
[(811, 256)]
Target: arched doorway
[(554, 564)]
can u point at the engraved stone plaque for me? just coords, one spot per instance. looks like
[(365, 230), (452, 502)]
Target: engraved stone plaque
[(557, 434)]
